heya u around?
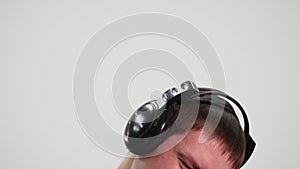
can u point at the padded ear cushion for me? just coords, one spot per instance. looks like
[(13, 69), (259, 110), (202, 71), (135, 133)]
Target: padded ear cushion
[(250, 146)]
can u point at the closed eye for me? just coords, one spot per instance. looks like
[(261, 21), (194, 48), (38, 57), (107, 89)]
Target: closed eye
[(183, 164)]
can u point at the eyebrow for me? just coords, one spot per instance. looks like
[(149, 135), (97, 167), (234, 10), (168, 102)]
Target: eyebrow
[(191, 160)]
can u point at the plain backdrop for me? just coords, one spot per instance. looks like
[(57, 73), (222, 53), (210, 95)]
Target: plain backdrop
[(40, 41)]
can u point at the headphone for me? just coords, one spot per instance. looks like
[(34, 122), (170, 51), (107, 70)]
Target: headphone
[(148, 127)]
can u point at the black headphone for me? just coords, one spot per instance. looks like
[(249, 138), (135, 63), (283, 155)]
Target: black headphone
[(152, 120)]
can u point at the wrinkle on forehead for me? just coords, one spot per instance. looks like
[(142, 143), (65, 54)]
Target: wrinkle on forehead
[(209, 154)]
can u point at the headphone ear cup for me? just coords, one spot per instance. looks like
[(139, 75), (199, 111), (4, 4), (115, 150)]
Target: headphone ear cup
[(143, 138), (250, 146), (141, 145)]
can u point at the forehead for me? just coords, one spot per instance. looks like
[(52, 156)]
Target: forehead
[(208, 154)]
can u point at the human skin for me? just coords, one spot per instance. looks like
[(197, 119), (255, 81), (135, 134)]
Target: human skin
[(207, 155)]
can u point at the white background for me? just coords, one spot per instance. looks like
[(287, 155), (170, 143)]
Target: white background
[(257, 43)]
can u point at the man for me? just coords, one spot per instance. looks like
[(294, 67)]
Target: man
[(225, 148)]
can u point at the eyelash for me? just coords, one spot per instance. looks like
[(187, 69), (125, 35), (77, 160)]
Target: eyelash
[(183, 164)]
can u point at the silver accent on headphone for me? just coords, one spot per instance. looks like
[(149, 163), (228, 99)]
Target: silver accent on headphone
[(169, 94), (145, 113)]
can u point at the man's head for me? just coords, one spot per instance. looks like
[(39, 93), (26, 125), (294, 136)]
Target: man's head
[(161, 131), (224, 149)]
